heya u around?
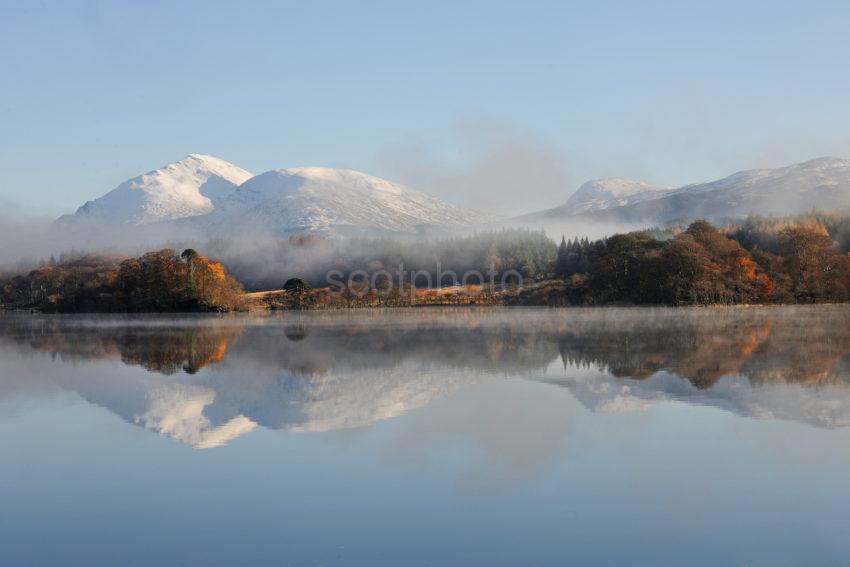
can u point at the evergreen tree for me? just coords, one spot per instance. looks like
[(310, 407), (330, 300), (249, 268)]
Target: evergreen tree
[(562, 263)]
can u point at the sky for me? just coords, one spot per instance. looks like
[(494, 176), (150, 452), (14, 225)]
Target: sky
[(505, 106)]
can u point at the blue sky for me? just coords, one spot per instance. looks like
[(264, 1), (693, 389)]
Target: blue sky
[(434, 94)]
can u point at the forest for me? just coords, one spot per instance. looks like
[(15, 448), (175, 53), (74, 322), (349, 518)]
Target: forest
[(803, 259), (161, 281), (759, 261)]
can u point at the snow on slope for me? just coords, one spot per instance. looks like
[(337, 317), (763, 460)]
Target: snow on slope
[(325, 200), (817, 173), (601, 194), (187, 188), (821, 183), (223, 200)]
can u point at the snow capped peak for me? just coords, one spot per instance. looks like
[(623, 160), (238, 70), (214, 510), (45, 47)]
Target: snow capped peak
[(616, 187), (326, 177), (217, 165), (204, 158), (785, 184), (822, 184), (824, 162), (226, 200), (321, 199), (328, 173), (185, 188), (604, 193)]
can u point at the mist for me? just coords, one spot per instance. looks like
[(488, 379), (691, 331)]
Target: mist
[(26, 242), (260, 260), (483, 164)]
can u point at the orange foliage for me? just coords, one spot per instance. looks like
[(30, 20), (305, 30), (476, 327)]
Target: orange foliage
[(747, 266)]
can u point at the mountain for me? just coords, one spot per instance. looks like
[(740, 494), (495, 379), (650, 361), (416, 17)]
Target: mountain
[(822, 183), (600, 194), (222, 200), (186, 188), (325, 200), (205, 196)]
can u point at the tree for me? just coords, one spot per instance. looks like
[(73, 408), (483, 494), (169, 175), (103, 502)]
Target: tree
[(191, 256), (298, 292), (687, 272), (296, 285), (815, 267), (732, 275), (621, 268), (562, 262)]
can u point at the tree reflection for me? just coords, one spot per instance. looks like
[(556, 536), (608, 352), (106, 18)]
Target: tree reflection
[(178, 345), (702, 345), (316, 372)]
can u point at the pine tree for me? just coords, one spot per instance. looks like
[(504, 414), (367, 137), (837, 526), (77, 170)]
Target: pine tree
[(562, 263)]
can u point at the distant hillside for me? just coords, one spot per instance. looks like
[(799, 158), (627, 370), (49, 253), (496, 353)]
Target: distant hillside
[(202, 197), (822, 184)]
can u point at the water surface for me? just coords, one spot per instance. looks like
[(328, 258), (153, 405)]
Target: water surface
[(443, 437)]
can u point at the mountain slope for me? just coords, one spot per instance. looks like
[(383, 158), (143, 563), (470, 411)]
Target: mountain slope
[(325, 200), (207, 194), (186, 188), (822, 183), (600, 194)]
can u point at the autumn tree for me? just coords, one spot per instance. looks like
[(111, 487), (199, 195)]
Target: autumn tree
[(734, 276), (815, 267)]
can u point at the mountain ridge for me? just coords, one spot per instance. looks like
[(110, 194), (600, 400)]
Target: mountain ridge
[(219, 198), (821, 183), (326, 200), (185, 188), (205, 195)]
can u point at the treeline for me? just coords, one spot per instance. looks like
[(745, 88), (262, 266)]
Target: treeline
[(766, 232), (799, 260), (161, 281), (797, 263)]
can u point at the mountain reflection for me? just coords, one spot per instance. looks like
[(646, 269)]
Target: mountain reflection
[(211, 379)]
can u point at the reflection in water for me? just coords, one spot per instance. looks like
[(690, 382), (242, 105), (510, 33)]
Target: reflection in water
[(162, 345), (211, 379)]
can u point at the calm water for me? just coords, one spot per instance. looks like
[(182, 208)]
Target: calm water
[(428, 437)]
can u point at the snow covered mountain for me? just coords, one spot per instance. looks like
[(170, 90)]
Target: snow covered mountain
[(186, 188), (223, 200), (324, 200), (822, 184), (203, 195), (600, 194)]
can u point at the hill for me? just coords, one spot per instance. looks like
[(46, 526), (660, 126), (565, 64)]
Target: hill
[(822, 184)]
